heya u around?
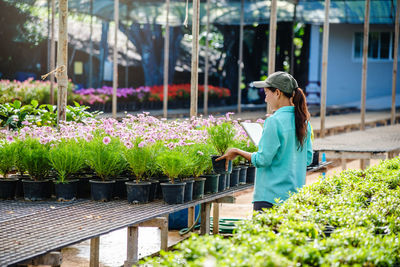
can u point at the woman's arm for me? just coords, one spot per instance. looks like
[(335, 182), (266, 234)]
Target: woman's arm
[(232, 153)]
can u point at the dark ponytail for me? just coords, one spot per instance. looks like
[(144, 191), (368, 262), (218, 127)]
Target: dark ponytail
[(301, 114)]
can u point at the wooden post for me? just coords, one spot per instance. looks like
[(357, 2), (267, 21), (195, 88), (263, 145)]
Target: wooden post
[(205, 218), (364, 64), (395, 56), (132, 246), (272, 42), (164, 234), (364, 163), (91, 46), (344, 162), (62, 61), (205, 105), (195, 59), (127, 47), (325, 43), (292, 45), (94, 252), (191, 215), (115, 59), (240, 63), (52, 51), (166, 60), (215, 218)]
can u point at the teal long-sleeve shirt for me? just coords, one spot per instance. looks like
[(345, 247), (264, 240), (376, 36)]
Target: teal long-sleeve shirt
[(280, 166)]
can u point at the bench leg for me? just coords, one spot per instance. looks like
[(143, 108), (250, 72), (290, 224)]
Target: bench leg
[(191, 215), (94, 252), (216, 218), (205, 218), (364, 163), (132, 247), (164, 234), (344, 163)]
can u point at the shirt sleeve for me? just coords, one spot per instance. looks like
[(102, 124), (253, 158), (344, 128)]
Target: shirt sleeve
[(309, 144), (268, 146)]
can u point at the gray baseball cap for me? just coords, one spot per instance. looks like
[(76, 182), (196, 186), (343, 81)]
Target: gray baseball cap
[(281, 80)]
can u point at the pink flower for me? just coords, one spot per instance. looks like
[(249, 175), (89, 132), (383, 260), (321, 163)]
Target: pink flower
[(10, 139), (106, 140), (141, 144)]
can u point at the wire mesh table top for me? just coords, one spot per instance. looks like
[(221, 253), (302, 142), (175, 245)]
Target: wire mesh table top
[(376, 140), (30, 229)]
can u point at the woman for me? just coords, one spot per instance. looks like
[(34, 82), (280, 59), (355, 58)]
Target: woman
[(285, 148)]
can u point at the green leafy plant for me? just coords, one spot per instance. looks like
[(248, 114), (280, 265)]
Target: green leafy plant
[(67, 158), (199, 159), (35, 158), (104, 156), (19, 146), (172, 163), (221, 136), (7, 158), (152, 168), (138, 158)]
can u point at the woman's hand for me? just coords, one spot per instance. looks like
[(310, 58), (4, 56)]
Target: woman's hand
[(231, 154)]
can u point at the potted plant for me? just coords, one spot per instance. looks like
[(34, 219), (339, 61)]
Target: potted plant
[(103, 155), (172, 163), (67, 159), (35, 159), (8, 185), (221, 137), (154, 172), (137, 158)]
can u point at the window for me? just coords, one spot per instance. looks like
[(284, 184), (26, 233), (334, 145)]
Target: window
[(380, 45)]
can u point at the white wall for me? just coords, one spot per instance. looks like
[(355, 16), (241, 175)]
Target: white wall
[(345, 72)]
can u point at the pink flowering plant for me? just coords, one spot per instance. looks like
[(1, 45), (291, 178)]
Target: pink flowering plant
[(7, 158), (221, 136), (199, 157), (66, 158), (172, 163), (35, 158), (138, 158), (104, 156)]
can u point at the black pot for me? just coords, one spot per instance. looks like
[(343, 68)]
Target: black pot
[(19, 191), (173, 193), (84, 186), (315, 159), (242, 174), (198, 188), (211, 183), (227, 180), (219, 166), (153, 189), (67, 191), (251, 175), (8, 187), (138, 192), (188, 190), (35, 190), (102, 190), (222, 182), (159, 193), (120, 188), (234, 177)]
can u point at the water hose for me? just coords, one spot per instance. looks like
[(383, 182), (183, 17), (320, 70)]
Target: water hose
[(188, 229), (226, 225)]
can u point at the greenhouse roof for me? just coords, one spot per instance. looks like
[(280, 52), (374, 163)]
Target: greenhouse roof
[(227, 12)]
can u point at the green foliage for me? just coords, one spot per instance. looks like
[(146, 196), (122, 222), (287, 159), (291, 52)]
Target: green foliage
[(13, 114), (138, 158), (199, 157), (35, 158), (67, 158), (172, 163), (221, 136), (19, 146), (152, 168), (7, 158), (106, 160), (360, 210)]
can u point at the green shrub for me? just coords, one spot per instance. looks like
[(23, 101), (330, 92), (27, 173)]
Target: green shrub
[(172, 163), (7, 158), (67, 158), (35, 158), (221, 136), (138, 158)]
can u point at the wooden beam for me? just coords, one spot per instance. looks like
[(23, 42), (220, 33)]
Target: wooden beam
[(132, 246), (354, 155), (205, 105), (272, 42), (115, 59), (90, 45), (325, 45), (195, 59), (191, 215), (205, 218), (364, 64), (226, 199), (94, 252), (166, 62), (215, 218), (52, 51), (240, 62), (53, 259), (62, 61), (395, 57)]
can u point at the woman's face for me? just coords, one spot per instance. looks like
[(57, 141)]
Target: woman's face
[(271, 97)]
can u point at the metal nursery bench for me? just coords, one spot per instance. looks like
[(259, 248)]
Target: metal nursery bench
[(375, 143)]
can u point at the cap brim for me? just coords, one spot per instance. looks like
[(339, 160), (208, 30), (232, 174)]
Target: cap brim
[(260, 84)]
